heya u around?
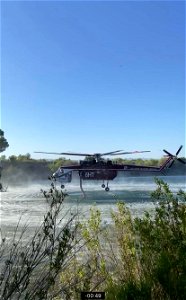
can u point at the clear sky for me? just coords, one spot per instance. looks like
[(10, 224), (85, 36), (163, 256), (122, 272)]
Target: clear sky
[(93, 76)]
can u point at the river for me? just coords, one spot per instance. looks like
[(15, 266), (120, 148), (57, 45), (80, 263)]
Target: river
[(26, 204)]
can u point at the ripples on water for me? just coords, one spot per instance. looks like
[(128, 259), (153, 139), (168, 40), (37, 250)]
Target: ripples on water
[(27, 205)]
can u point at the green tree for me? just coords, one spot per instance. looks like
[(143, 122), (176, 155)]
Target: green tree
[(13, 158), (62, 161), (24, 157), (3, 157), (3, 142)]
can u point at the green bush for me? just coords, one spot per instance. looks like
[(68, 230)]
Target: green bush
[(163, 242), (140, 258), (29, 270)]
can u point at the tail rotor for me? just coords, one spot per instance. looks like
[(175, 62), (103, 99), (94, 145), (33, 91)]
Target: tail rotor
[(179, 150), (175, 157)]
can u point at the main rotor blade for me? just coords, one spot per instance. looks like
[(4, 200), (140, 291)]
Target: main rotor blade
[(110, 153), (168, 153), (65, 153), (132, 152), (47, 152), (179, 150), (77, 154)]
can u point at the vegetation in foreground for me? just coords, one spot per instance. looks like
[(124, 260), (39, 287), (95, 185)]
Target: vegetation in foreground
[(132, 258)]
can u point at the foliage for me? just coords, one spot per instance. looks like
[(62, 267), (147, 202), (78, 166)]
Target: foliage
[(20, 157), (131, 258), (13, 158), (140, 258), (140, 161), (86, 270), (163, 242), (55, 164), (29, 270), (3, 142), (25, 157), (3, 157)]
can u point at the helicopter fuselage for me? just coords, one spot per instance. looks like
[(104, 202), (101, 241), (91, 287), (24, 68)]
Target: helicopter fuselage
[(96, 168), (100, 170)]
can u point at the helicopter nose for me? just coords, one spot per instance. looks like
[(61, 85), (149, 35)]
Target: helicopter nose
[(51, 177), (58, 173)]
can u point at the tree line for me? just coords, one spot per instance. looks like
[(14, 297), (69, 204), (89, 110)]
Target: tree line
[(65, 161), (56, 163)]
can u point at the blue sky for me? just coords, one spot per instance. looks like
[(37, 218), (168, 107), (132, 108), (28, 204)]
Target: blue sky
[(93, 76)]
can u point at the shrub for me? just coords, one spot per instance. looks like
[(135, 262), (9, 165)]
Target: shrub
[(29, 270), (131, 258), (134, 258), (163, 242)]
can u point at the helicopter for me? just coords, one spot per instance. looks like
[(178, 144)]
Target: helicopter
[(94, 167)]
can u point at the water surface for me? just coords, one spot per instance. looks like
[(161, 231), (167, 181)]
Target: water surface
[(26, 204)]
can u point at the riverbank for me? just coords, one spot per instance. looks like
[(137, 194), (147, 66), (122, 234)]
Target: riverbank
[(18, 172)]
